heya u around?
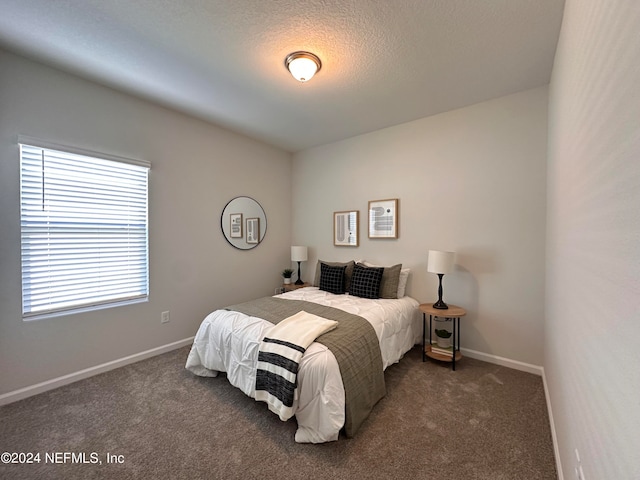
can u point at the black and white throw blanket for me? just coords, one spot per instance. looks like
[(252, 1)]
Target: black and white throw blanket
[(279, 356)]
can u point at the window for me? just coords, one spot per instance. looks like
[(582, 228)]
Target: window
[(83, 229)]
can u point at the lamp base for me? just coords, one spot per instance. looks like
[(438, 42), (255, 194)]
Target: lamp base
[(440, 305), (299, 280)]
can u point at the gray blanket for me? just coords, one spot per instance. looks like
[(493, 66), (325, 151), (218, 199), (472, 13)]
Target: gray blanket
[(354, 344)]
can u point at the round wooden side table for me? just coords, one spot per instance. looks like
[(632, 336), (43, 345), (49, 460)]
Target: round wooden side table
[(452, 313)]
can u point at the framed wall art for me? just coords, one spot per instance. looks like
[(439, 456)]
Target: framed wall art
[(253, 230), (345, 228), (383, 218), (236, 225)]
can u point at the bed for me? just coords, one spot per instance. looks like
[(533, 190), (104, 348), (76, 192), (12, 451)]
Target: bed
[(324, 403)]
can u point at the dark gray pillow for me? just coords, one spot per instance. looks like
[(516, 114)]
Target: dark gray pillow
[(347, 273), (365, 282), (390, 280), (332, 278)]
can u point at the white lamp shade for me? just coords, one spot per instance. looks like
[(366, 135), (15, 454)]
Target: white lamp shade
[(440, 262), (298, 254), (303, 69)]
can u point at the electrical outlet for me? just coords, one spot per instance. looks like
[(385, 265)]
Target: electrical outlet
[(164, 317)]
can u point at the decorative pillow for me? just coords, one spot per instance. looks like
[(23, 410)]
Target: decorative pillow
[(365, 282), (402, 282), (332, 278), (347, 273), (389, 286)]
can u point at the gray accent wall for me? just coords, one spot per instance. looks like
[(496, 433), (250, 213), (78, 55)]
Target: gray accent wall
[(196, 169)]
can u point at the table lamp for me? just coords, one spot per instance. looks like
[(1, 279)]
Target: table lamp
[(299, 254), (440, 263)]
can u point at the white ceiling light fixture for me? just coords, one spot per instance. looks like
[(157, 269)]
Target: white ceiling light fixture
[(302, 65)]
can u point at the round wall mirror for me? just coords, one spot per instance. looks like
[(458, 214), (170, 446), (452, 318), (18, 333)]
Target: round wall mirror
[(243, 223)]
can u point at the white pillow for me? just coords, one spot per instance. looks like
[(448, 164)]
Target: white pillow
[(402, 281)]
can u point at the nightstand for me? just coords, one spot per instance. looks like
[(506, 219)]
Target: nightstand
[(453, 314), (287, 287)]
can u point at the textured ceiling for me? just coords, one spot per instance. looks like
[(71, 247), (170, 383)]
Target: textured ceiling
[(384, 62)]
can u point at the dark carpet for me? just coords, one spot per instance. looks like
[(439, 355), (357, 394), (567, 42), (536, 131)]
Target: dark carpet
[(155, 420)]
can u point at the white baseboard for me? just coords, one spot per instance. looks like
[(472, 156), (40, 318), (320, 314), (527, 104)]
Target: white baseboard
[(505, 362), (552, 424), (29, 391)]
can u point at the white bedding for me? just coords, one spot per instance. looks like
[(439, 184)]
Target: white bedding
[(228, 342)]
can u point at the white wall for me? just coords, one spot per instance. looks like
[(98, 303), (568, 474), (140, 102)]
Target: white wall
[(196, 169), (592, 331), (470, 180)]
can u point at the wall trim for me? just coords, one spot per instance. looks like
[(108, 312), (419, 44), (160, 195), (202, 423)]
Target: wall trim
[(552, 424), (505, 362), (42, 387)]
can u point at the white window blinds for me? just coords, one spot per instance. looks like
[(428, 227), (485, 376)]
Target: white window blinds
[(83, 230)]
